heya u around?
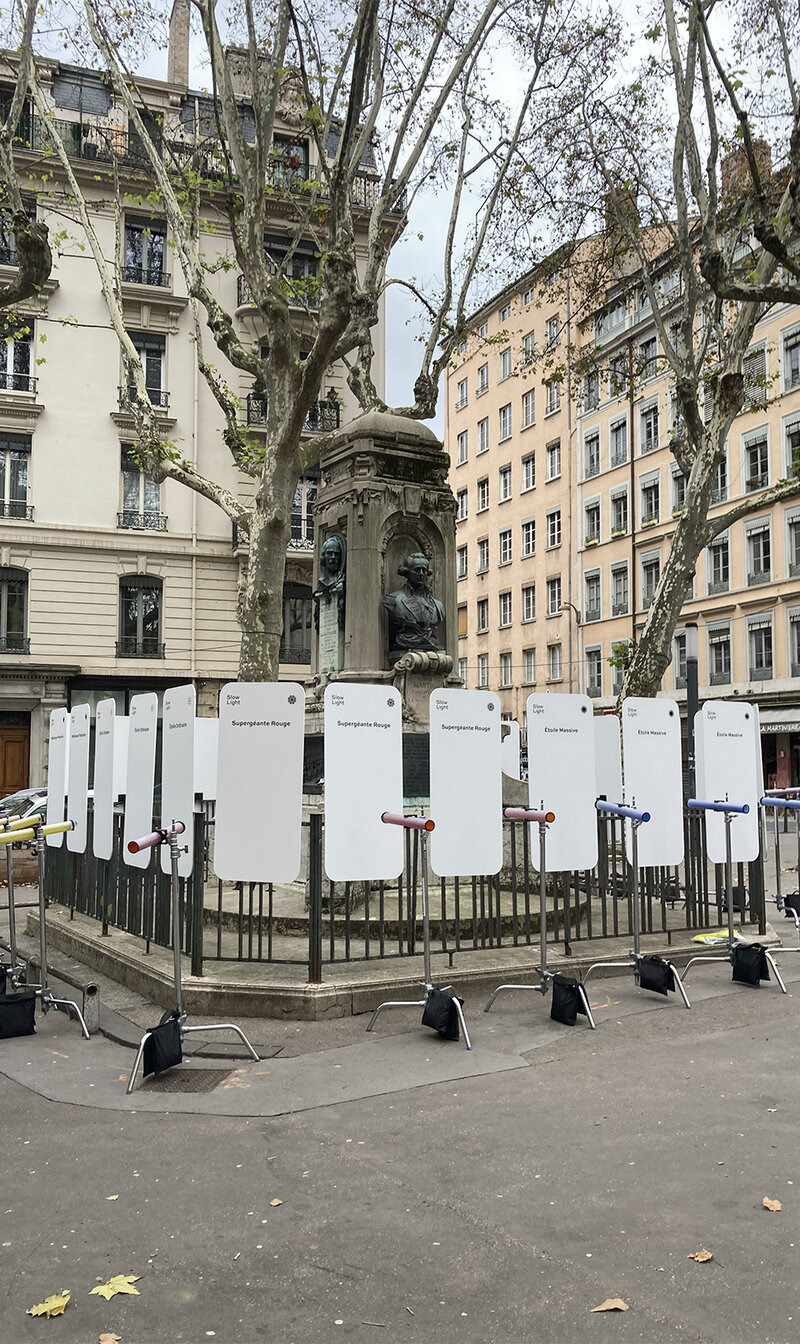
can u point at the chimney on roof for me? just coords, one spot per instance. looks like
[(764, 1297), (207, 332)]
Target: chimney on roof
[(178, 50)]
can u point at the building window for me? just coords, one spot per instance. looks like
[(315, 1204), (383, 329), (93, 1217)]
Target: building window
[(462, 442), (592, 455), (483, 436), (591, 391), (462, 670), (483, 495), (145, 251), (15, 451), (14, 611), (8, 241), (505, 483), (554, 596), (553, 329), (483, 671), (619, 443), (141, 496), (553, 396), (754, 369), (719, 491), (16, 334), (140, 617), (483, 331), (553, 529), (529, 602), (505, 422), (620, 654), (483, 615), (719, 566), (679, 660), (462, 394), (651, 573), (791, 361), (528, 348), (554, 662), (483, 556), (619, 590), (505, 364), (528, 472), (759, 557), (719, 655), (648, 357), (552, 460), (528, 409), (462, 621), (594, 672), (151, 350), (529, 667), (678, 491), (756, 463), (505, 609), (528, 295), (617, 374), (648, 429), (794, 546), (506, 669), (505, 546), (504, 313), (759, 638), (591, 523), (591, 609), (461, 505), (619, 513), (792, 438), (483, 380), (301, 535), (794, 643), (298, 608), (651, 501), (461, 562), (529, 537)]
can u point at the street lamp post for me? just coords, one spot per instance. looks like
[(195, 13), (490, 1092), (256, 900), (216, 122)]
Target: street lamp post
[(578, 620), (692, 702)]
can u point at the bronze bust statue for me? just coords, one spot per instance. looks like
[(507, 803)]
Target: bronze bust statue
[(414, 612)]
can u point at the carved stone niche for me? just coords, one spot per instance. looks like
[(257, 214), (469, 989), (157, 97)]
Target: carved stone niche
[(384, 488)]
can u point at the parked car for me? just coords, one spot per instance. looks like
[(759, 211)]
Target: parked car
[(23, 803)]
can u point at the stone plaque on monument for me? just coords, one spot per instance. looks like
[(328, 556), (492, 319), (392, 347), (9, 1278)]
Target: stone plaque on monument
[(329, 645)]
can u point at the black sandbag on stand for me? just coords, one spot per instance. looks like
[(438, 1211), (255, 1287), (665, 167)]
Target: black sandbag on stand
[(569, 995), (17, 1014), (163, 1047), (440, 1013), (790, 903), (750, 965), (657, 975)]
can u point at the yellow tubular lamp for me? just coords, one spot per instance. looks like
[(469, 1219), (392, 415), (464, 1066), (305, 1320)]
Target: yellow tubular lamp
[(17, 836), (25, 822), (11, 821)]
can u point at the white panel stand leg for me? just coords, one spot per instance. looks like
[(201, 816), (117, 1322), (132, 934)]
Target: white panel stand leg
[(545, 975), (44, 993), (16, 970), (426, 943), (171, 837)]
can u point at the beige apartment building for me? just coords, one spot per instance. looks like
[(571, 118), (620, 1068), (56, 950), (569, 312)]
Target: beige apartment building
[(567, 498), (111, 584)]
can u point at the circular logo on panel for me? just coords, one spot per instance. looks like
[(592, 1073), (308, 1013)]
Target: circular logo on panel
[(292, 699), (390, 702)]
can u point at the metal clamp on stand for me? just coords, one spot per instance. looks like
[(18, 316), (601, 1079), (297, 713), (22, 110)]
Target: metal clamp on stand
[(542, 819), (729, 811), (424, 827), (668, 977), (176, 1020), (778, 798), (35, 831)]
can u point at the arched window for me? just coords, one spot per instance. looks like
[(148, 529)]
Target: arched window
[(140, 617), (297, 617), (14, 611)]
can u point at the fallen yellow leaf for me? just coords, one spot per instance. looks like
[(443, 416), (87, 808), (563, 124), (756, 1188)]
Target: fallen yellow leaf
[(112, 1196), (273, 1203), (110, 1339), (774, 1205), (700, 1256), (54, 1305), (612, 1304), (121, 1283)]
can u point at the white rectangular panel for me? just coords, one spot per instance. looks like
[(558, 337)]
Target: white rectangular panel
[(78, 778), (177, 773), (206, 746), (509, 749), (651, 748), (363, 778), (259, 781), (122, 727), (726, 769), (466, 783), (57, 758), (561, 778), (608, 758), (141, 776), (105, 728)]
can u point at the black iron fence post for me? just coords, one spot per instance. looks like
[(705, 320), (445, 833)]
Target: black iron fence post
[(197, 908), (315, 899)]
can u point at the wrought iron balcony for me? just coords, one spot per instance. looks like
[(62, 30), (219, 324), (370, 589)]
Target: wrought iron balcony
[(15, 644), (761, 674), (158, 397), (8, 256), (294, 653), (680, 683), (16, 508), (719, 494), (594, 691), (718, 586), (322, 416), (794, 569), (759, 482), (619, 459), (619, 531), (128, 646), (795, 670), (145, 275), (757, 576), (720, 678), (16, 382), (142, 522), (649, 519), (294, 291), (591, 613), (619, 608), (647, 601)]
